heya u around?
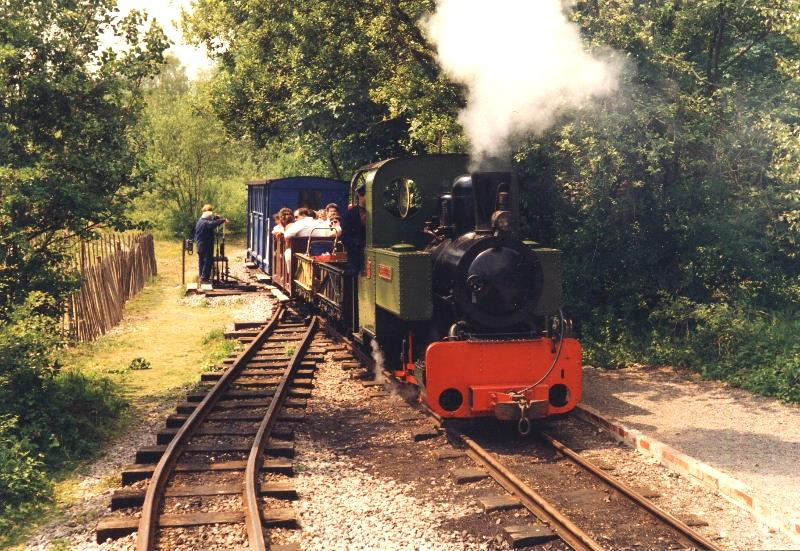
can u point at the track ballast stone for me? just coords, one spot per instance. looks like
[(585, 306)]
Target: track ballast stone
[(364, 483)]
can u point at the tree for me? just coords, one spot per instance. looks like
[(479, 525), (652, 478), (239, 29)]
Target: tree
[(69, 155), (70, 163), (193, 160), (681, 187), (344, 82)]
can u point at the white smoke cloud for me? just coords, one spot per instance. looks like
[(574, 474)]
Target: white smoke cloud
[(523, 62), (380, 360)]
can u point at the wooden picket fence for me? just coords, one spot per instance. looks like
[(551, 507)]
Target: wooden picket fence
[(114, 268)]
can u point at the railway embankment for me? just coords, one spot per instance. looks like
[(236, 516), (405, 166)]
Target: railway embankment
[(745, 446)]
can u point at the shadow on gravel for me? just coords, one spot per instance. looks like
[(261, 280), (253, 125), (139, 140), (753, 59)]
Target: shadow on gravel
[(607, 389)]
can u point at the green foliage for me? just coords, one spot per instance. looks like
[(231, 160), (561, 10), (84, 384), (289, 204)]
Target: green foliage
[(47, 416), (23, 480), (84, 410), (218, 348), (682, 193), (192, 159), (345, 83), (214, 337), (69, 156), (138, 364), (749, 348), (61, 414)]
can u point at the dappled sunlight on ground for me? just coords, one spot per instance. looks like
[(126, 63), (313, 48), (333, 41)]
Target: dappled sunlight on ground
[(171, 334)]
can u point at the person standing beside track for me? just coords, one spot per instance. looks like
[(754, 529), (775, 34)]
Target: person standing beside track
[(204, 237)]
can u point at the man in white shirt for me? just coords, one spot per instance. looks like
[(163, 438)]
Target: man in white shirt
[(302, 225)]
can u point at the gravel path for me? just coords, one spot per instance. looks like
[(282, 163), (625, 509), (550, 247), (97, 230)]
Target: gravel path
[(74, 527), (365, 485), (752, 438)]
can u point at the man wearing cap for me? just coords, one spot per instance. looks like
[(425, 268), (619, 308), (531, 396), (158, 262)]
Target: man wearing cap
[(354, 232), (204, 237)]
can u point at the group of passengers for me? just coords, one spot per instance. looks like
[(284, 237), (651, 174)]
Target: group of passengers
[(304, 222)]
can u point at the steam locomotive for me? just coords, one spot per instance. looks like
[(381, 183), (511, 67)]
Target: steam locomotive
[(460, 305)]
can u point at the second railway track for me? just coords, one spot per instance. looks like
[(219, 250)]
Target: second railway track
[(583, 505), (586, 507), (219, 461)]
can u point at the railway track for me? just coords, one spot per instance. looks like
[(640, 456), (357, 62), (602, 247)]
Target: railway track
[(220, 460), (233, 443), (603, 502), (555, 509)]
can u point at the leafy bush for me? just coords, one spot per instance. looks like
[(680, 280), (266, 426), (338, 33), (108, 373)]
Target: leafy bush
[(139, 364), (741, 344), (47, 416), (23, 480), (79, 415)]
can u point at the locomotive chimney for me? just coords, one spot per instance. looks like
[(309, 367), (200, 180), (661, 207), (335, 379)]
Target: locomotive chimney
[(463, 205), (445, 217), (487, 187)]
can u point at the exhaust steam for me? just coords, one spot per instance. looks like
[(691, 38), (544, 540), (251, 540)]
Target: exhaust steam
[(523, 63), (406, 392), (380, 360)]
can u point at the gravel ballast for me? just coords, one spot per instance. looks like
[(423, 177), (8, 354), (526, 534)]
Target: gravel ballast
[(727, 525), (751, 438), (365, 485)]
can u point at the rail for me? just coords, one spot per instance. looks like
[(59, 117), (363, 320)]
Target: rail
[(253, 521), (567, 530), (148, 524), (649, 506)]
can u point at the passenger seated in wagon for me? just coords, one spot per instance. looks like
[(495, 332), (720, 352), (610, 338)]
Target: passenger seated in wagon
[(304, 226), (283, 218)]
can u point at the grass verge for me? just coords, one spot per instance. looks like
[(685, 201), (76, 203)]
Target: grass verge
[(160, 349)]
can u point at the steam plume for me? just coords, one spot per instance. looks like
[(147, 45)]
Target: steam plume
[(523, 63), (379, 359), (406, 392)]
